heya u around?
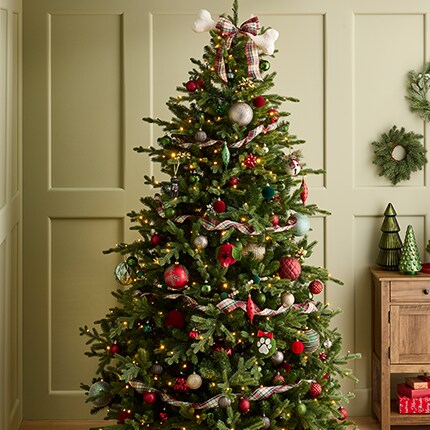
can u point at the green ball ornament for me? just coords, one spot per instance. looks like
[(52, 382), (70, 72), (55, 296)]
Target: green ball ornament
[(260, 299), (264, 345), (170, 212), (264, 65), (100, 391), (301, 409), (223, 296), (268, 192), (165, 140)]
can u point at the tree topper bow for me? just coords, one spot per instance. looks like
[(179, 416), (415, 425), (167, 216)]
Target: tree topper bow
[(250, 28)]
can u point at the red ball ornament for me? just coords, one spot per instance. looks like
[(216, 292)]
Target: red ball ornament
[(149, 398), (344, 413), (290, 268), (114, 349), (286, 366), (315, 389), (175, 319), (233, 181), (278, 379), (259, 101), (275, 220), (176, 276), (191, 86), (297, 347), (200, 82), (326, 376), (155, 240), (193, 334), (123, 415), (316, 286), (244, 406), (219, 206), (273, 115)]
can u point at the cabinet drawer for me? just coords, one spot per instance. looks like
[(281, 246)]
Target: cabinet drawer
[(404, 291)]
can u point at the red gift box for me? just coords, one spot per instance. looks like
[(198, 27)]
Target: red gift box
[(425, 378), (420, 405), (404, 390)]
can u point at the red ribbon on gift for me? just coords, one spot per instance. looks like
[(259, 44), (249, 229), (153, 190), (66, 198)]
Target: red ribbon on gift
[(228, 29), (265, 334)]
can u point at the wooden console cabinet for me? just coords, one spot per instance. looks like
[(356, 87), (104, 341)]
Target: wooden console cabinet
[(400, 339)]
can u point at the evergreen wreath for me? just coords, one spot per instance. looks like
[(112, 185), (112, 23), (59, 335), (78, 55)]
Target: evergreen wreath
[(418, 86), (396, 168)]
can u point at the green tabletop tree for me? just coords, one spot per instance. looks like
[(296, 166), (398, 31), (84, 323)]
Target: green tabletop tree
[(217, 324), (410, 260)]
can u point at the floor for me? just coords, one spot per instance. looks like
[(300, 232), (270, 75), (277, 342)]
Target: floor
[(364, 423)]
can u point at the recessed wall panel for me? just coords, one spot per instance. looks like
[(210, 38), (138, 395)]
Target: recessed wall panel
[(87, 110), (81, 281), (16, 106), (386, 48), (3, 104), (317, 233), (2, 327), (299, 65)]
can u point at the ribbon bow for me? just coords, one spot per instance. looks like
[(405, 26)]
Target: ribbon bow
[(265, 334), (249, 28)]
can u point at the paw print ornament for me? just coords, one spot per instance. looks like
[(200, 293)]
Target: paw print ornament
[(264, 345)]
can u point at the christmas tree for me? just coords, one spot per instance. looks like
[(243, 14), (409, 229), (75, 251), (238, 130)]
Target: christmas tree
[(390, 244), (217, 324), (410, 260)]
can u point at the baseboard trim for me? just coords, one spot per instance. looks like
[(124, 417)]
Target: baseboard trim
[(63, 424)]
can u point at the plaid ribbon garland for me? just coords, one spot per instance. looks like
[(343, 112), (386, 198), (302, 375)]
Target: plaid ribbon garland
[(250, 136), (261, 393), (214, 225), (230, 31)]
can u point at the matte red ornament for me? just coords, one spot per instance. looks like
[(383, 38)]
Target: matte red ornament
[(297, 347), (286, 366), (275, 220), (259, 101), (344, 413), (225, 256), (219, 206), (316, 286), (155, 240), (176, 276), (326, 376), (114, 349), (191, 86), (244, 406), (315, 389), (200, 82), (233, 181), (250, 161), (250, 309), (175, 319), (149, 398), (290, 268), (305, 192), (123, 415), (193, 334)]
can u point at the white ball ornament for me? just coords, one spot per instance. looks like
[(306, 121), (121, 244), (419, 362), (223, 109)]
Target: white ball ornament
[(328, 343), (241, 113), (287, 299), (194, 381), (201, 242)]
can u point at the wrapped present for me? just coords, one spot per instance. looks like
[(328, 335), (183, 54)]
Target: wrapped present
[(416, 383), (404, 390), (420, 405)]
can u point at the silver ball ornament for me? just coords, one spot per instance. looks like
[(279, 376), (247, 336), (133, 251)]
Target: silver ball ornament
[(277, 358), (328, 343), (240, 113), (100, 390), (266, 422), (156, 369), (194, 381), (200, 136), (287, 299), (224, 402), (201, 242)]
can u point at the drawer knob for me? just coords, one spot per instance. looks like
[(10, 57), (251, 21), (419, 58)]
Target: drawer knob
[(426, 291)]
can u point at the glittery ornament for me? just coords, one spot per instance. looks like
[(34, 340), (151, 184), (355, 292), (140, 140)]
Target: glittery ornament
[(301, 224), (219, 206), (124, 273), (157, 369), (100, 392), (289, 268), (244, 405), (328, 343), (176, 276), (313, 341), (250, 161), (297, 347), (163, 417), (315, 389), (194, 381), (257, 251), (224, 402), (273, 115), (200, 136), (316, 286), (304, 192), (278, 379), (240, 113), (277, 358), (225, 155), (191, 86), (287, 299), (200, 242)]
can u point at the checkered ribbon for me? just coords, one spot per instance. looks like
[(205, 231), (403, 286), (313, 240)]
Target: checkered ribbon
[(230, 31), (251, 135), (214, 225), (261, 393)]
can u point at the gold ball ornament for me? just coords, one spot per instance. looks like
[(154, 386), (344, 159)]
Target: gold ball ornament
[(194, 381)]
